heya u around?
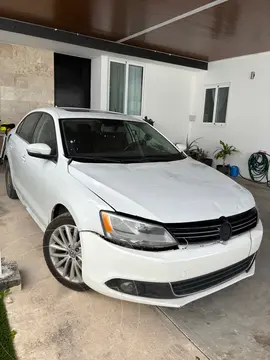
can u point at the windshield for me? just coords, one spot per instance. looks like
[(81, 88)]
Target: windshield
[(105, 140)]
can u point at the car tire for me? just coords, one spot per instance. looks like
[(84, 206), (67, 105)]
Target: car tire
[(11, 192), (55, 238)]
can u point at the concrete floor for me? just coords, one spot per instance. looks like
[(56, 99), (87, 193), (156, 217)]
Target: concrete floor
[(235, 322), (55, 323)]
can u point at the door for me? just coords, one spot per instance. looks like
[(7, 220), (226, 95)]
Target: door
[(17, 153), (72, 76), (41, 186)]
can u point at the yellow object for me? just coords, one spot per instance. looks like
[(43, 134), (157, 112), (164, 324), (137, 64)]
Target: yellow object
[(3, 127)]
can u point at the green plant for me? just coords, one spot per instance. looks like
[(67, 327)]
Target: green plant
[(7, 350), (4, 293), (194, 151), (224, 150), (200, 154), (191, 147), (13, 334)]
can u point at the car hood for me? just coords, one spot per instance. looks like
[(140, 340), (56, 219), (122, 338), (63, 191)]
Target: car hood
[(177, 191)]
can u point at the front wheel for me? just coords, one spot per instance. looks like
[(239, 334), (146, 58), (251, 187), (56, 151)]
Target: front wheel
[(62, 252)]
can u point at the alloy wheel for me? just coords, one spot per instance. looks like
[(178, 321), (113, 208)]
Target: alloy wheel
[(65, 252)]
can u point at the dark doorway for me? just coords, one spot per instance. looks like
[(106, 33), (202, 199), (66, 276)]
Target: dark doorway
[(72, 78)]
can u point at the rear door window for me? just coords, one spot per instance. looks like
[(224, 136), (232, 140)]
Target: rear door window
[(28, 125)]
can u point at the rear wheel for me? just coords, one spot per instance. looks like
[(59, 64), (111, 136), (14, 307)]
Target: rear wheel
[(11, 192), (62, 252)]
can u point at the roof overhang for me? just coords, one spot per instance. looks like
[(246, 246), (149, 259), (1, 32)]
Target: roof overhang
[(96, 43), (188, 33)]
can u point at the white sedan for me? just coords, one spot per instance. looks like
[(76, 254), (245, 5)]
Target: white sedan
[(125, 212)]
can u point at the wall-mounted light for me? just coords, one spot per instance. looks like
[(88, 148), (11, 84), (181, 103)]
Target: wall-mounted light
[(252, 75)]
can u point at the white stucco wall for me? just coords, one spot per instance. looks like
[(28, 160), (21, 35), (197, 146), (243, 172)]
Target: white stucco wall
[(248, 112), (167, 93), (167, 99)]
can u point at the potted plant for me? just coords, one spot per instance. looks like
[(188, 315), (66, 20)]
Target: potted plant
[(202, 156), (149, 121), (192, 148), (197, 153), (221, 153)]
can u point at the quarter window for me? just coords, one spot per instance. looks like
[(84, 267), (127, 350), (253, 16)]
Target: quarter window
[(125, 90), (215, 105), (27, 126)]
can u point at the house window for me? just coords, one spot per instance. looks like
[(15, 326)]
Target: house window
[(215, 106), (125, 92)]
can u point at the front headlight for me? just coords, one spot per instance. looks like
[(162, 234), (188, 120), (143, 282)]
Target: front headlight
[(135, 233)]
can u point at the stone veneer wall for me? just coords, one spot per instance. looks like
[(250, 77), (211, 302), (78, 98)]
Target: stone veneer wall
[(26, 80)]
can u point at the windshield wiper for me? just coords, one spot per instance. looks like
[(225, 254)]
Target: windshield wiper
[(99, 159), (162, 158)]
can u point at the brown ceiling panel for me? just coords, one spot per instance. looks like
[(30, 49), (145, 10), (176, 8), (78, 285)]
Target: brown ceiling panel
[(234, 28), (121, 18), (110, 19)]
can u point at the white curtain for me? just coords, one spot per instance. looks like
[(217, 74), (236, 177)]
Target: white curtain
[(117, 86), (134, 100), (222, 105), (209, 105)]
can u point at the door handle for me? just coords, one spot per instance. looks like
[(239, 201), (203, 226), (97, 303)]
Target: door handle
[(23, 158)]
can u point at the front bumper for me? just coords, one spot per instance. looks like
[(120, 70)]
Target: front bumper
[(104, 261)]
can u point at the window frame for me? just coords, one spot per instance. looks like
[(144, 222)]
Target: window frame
[(216, 87), (127, 63), (21, 124)]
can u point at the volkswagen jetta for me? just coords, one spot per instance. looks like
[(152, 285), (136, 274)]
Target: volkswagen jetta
[(127, 213)]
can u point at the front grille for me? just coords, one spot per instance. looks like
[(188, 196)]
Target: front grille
[(209, 230), (200, 283)]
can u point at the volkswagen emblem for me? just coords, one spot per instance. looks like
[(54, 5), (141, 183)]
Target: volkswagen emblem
[(225, 230)]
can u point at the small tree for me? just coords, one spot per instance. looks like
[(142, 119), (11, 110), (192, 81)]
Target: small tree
[(224, 150)]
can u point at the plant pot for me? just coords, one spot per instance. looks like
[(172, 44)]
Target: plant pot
[(223, 169), (207, 161)]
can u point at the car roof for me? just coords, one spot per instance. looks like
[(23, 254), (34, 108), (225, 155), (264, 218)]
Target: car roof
[(71, 113)]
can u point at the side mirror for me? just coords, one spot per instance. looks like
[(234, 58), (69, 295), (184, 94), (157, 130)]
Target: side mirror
[(41, 151), (181, 147)]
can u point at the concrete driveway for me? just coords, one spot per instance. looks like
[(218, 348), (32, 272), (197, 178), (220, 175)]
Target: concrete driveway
[(57, 324), (234, 324)]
